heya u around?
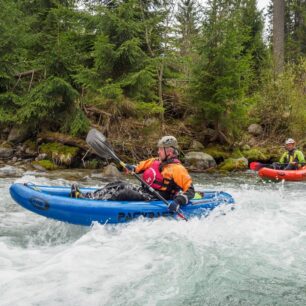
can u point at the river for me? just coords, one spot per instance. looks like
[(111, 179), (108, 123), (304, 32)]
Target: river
[(254, 254)]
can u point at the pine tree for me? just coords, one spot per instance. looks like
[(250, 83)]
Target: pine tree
[(221, 76), (13, 30), (56, 50), (187, 30), (252, 19), (127, 52)]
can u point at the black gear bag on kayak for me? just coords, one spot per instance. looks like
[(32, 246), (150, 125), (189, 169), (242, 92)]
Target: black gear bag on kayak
[(120, 191)]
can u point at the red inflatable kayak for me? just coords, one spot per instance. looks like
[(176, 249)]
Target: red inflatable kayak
[(279, 175)]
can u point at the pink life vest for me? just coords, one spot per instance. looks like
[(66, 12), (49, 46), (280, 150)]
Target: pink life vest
[(153, 177)]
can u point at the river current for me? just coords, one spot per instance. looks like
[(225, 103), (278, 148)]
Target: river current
[(254, 254)]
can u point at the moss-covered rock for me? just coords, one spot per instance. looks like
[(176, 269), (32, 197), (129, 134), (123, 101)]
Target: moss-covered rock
[(231, 164), (254, 154), (60, 154), (45, 164), (217, 152)]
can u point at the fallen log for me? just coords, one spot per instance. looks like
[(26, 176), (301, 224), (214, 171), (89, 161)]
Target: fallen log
[(63, 139)]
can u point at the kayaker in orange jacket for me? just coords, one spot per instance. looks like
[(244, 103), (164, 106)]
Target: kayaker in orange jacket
[(166, 174)]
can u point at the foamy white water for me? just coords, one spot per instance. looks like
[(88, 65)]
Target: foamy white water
[(254, 254)]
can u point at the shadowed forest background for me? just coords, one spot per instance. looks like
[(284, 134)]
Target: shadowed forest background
[(139, 69)]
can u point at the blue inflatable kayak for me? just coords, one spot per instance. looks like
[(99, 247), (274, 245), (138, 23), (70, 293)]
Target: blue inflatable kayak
[(55, 202)]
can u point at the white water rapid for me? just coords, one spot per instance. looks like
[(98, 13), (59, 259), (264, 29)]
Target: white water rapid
[(254, 254)]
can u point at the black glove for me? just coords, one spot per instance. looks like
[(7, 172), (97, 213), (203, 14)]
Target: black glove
[(130, 168), (177, 202), (174, 206)]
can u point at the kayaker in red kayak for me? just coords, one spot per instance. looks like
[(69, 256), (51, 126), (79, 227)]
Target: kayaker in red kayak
[(292, 159)]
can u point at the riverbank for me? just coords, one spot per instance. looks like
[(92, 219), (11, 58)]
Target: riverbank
[(200, 151)]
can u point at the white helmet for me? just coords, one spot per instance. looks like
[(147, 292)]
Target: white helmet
[(289, 141), (167, 142)]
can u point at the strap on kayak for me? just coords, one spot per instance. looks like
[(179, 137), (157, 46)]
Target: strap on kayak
[(32, 186)]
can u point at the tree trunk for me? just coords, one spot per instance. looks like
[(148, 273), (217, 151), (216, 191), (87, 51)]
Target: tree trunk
[(160, 73), (278, 35)]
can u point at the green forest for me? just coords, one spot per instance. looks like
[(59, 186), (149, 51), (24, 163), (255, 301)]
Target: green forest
[(140, 69)]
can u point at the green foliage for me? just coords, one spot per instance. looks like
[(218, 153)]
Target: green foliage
[(252, 19), (139, 84), (121, 62), (92, 164), (13, 28), (47, 101), (146, 109), (298, 112), (112, 91), (8, 105), (104, 55), (282, 108), (62, 42), (117, 107), (187, 32), (295, 30), (76, 124), (124, 57), (222, 73)]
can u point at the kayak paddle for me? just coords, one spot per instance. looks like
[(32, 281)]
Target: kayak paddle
[(97, 141), (257, 165)]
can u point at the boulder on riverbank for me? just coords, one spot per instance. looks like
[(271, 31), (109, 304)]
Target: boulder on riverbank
[(111, 171), (6, 151), (18, 134), (199, 161), (255, 129)]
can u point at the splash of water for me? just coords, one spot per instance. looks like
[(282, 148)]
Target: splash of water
[(252, 255)]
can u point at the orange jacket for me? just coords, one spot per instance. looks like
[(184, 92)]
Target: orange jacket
[(173, 173)]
